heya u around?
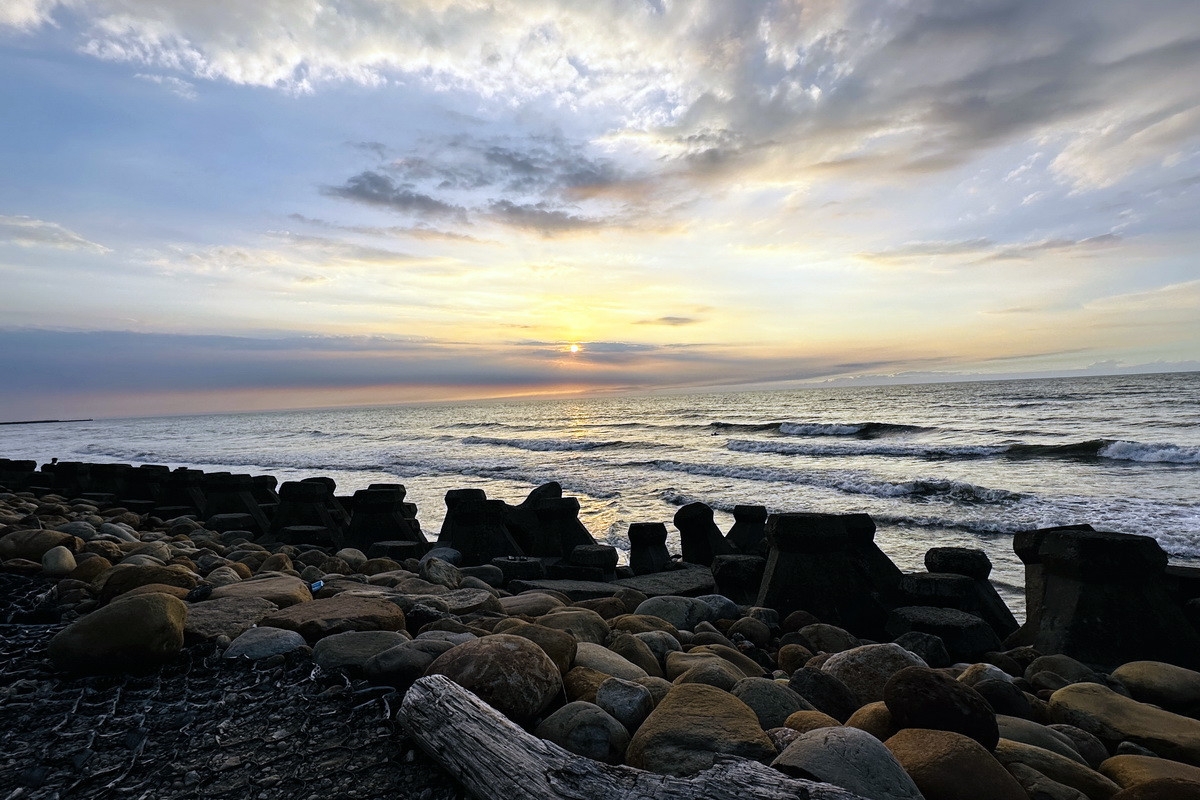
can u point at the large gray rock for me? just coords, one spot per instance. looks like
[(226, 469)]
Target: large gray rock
[(1114, 718), (865, 670), (601, 659), (259, 643), (228, 616), (684, 613), (351, 650), (401, 665), (586, 730), (852, 759), (772, 702), (629, 703)]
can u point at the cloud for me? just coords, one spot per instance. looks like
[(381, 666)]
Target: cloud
[(782, 89), (177, 86), (374, 188), (419, 231), (26, 15), (540, 183), (984, 249), (30, 232), (673, 321)]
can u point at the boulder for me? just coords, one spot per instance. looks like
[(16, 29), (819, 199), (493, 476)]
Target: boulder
[(865, 670), (744, 663), (714, 672), (282, 590), (629, 703), (601, 659), (401, 664), (829, 638), (58, 562), (351, 650), (1056, 767), (1114, 718), (136, 634), (1023, 730), (1039, 787), (771, 701), (259, 643), (637, 652), (34, 543), (1173, 688), (585, 625), (694, 724), (229, 616), (966, 636), (123, 577), (805, 721), (1126, 771), (1161, 789), (319, 618), (849, 758), (683, 613), (919, 697), (533, 604), (510, 673), (582, 683), (825, 692), (586, 730), (875, 719), (559, 645), (949, 766)]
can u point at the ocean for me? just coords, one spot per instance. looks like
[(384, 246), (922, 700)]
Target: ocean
[(938, 464)]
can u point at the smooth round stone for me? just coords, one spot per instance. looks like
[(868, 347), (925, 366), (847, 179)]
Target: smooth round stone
[(510, 673), (627, 702), (682, 612), (772, 702), (850, 758), (865, 670), (586, 730), (58, 562), (601, 659), (351, 650), (259, 643), (919, 697)]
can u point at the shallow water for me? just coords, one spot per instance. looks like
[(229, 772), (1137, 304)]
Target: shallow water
[(964, 464)]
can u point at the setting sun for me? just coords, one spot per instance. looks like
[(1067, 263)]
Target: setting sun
[(574, 348)]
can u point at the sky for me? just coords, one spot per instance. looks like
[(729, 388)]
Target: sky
[(225, 205)]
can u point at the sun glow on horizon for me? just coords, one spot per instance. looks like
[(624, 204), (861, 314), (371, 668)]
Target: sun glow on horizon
[(574, 348)]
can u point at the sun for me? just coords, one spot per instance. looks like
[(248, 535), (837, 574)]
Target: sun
[(574, 348)]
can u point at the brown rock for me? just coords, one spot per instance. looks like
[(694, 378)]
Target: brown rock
[(805, 721), (229, 616), (694, 724), (875, 719), (559, 645), (318, 618), (1057, 767), (123, 577), (133, 634), (510, 673), (581, 683), (1126, 771), (282, 590), (33, 544), (950, 766)]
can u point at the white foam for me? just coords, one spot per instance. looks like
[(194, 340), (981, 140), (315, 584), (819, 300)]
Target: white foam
[(1137, 451)]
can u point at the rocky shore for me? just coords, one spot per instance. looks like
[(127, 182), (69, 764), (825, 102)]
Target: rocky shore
[(175, 633)]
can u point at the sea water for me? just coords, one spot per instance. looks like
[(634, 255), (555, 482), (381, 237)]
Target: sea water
[(939, 464)]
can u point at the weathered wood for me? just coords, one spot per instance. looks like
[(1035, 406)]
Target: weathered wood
[(496, 760)]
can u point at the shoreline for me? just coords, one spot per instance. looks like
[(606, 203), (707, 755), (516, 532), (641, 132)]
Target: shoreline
[(795, 613)]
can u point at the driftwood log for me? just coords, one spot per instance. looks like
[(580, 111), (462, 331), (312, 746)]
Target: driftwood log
[(496, 760)]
